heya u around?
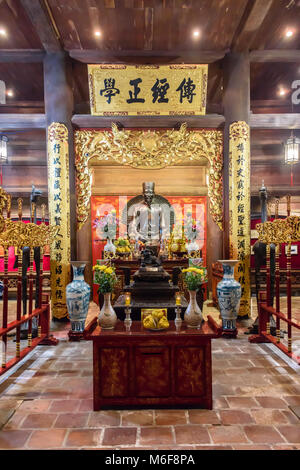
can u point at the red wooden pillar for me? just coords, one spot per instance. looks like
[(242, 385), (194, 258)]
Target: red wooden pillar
[(277, 281), (268, 250), (289, 296), (5, 306), (19, 302), (30, 308), (41, 288)]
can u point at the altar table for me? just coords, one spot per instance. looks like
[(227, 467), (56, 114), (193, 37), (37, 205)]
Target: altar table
[(144, 369)]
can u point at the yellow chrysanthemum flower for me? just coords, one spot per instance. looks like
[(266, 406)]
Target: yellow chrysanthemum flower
[(103, 267)]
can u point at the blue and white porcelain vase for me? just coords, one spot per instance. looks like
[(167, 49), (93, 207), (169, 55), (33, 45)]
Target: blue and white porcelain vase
[(229, 295), (78, 298)]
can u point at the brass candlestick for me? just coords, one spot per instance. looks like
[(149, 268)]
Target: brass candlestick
[(128, 321), (178, 320)]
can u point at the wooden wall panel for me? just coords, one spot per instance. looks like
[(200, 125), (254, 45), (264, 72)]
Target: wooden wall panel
[(182, 181), (19, 179)]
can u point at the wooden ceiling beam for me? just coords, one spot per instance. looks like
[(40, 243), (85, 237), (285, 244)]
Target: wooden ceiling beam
[(22, 121), (21, 56), (277, 55), (252, 19), (99, 122), (276, 190), (95, 56), (257, 121), (275, 121), (43, 24)]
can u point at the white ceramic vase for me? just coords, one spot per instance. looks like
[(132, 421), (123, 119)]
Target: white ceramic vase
[(192, 246), (109, 246), (107, 317), (193, 315)]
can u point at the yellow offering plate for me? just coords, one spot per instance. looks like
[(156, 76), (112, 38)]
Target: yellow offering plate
[(156, 329)]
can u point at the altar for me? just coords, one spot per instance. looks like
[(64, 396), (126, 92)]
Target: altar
[(139, 368)]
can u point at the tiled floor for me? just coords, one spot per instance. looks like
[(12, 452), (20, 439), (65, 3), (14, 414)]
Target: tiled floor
[(47, 404)]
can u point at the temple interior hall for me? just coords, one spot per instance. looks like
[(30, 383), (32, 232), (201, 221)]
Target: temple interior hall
[(150, 226)]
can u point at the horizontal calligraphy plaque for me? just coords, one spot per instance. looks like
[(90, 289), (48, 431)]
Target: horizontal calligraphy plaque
[(153, 90)]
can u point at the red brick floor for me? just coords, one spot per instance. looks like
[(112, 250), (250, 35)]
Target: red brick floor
[(51, 399)]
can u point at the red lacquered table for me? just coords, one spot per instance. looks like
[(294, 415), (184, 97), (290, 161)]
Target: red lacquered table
[(141, 368)]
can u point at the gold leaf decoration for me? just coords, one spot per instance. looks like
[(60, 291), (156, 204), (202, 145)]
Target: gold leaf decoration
[(280, 231), (20, 234), (151, 149)]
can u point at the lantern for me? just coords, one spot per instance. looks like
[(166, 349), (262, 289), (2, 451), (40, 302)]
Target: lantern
[(3, 149), (292, 150)]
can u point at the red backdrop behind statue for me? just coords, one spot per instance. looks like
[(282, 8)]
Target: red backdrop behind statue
[(101, 205)]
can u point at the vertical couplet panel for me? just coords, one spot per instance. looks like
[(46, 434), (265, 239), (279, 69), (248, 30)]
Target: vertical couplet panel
[(239, 208), (59, 213)]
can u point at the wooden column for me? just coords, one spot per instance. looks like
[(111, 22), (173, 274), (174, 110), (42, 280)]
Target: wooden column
[(237, 170), (59, 104), (214, 246), (61, 174), (236, 103)]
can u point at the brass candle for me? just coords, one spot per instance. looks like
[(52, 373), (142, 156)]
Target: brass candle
[(127, 299)]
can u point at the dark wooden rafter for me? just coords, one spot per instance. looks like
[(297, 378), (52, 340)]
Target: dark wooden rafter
[(148, 35), (277, 55), (254, 14), (95, 56), (257, 121), (275, 121), (207, 121), (21, 55), (252, 19), (40, 15), (22, 121)]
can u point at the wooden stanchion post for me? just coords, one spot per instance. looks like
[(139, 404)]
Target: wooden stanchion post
[(5, 307), (19, 302), (30, 309), (289, 295)]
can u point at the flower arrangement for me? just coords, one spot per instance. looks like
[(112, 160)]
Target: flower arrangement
[(106, 277), (191, 226), (106, 225), (194, 277)]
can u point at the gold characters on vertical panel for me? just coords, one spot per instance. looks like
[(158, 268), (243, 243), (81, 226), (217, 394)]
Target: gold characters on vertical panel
[(59, 213), (239, 208)]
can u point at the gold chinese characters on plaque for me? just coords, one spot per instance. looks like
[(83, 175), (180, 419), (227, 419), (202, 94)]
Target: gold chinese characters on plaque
[(137, 90), (239, 208), (59, 212)]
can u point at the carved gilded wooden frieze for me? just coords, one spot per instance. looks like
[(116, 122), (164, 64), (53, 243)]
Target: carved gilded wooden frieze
[(280, 231), (149, 150), (20, 234)]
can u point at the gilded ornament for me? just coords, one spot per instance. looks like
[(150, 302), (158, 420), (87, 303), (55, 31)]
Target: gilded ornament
[(59, 215), (149, 150), (116, 90), (239, 207), (19, 234), (57, 133), (4, 200), (280, 231)]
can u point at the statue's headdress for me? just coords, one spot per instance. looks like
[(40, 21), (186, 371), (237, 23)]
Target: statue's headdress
[(149, 185)]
